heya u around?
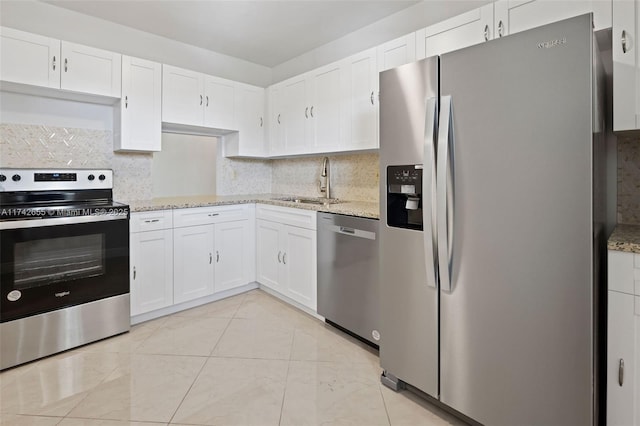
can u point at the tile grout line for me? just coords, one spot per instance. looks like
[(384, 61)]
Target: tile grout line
[(286, 377), (384, 402)]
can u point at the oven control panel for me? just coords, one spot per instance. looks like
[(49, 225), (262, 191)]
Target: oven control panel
[(54, 180)]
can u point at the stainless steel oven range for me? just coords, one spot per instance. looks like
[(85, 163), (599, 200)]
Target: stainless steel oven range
[(64, 261)]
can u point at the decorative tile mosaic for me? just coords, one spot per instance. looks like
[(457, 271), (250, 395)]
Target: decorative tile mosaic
[(60, 147), (629, 181), (353, 177)]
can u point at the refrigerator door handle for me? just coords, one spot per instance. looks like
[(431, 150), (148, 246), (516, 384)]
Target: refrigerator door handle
[(445, 193), (429, 192)]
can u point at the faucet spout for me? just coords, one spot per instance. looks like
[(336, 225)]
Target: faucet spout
[(325, 178)]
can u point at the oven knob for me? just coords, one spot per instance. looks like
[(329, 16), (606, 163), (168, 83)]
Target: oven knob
[(102, 177), (3, 178), (16, 178), (91, 177)]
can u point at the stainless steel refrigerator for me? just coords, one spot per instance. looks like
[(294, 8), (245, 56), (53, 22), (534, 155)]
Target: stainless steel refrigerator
[(491, 226)]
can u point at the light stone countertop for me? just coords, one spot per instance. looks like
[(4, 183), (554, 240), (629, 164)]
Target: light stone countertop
[(351, 208), (625, 238)]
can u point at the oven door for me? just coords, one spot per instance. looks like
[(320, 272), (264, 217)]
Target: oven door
[(49, 264)]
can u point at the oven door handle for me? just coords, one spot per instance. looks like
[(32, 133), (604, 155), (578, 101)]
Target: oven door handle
[(39, 223)]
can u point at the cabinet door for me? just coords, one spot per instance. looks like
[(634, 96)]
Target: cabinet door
[(151, 270), (397, 52), (219, 103), (90, 70), (473, 27), (231, 257), (512, 16), (251, 123), (141, 105), (361, 111), (300, 263), (182, 96), (620, 349), (29, 58), (193, 262), (268, 254), (325, 110), (276, 126), (626, 65), (295, 115)]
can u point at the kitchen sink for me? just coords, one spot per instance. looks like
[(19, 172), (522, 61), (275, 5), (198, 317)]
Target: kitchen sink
[(303, 200)]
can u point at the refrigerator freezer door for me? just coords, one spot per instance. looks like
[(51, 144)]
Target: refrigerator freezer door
[(409, 306), (516, 327)]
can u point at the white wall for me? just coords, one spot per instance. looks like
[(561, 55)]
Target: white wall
[(56, 22), (401, 23)]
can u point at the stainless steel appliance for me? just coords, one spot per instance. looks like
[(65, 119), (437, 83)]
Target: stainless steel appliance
[(348, 279), (489, 303), (64, 261)]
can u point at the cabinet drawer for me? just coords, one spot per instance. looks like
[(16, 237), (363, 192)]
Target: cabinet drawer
[(208, 215), (624, 272), (289, 216), (151, 220)]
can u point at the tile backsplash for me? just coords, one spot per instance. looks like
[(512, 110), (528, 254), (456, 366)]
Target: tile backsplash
[(353, 177), (629, 181), (59, 147)]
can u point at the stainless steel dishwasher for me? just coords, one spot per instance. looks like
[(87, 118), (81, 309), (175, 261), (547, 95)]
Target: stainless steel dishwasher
[(348, 274)]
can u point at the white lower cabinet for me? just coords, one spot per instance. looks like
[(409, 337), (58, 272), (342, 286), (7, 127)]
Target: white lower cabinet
[(151, 261), (235, 254), (193, 262), (623, 335), (286, 254)]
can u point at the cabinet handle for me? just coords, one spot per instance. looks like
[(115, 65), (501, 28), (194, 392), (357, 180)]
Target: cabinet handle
[(126, 101), (210, 258), (134, 272), (500, 28), (371, 98), (486, 33), (260, 121), (279, 259), (152, 221), (306, 112), (213, 214), (200, 99), (621, 372), (66, 64), (278, 118), (625, 42), (217, 256), (54, 63), (311, 111), (284, 258), (207, 101)]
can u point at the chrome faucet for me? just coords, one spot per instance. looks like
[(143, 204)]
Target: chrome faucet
[(325, 178)]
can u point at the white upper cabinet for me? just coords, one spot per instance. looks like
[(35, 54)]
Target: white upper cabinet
[(461, 31), (361, 101), (275, 126), (626, 65), (219, 103), (397, 52), (295, 115), (326, 108), (190, 98), (182, 96), (249, 141), (90, 70), (140, 107), (512, 16), (29, 58), (39, 61)]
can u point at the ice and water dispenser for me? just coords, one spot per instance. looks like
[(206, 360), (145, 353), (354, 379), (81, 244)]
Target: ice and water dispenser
[(404, 196)]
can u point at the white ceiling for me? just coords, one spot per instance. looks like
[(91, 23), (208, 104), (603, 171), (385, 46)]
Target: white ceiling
[(265, 32)]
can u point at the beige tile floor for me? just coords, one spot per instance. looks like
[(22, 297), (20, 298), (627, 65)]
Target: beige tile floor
[(246, 360)]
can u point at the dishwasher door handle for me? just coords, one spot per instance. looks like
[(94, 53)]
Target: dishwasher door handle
[(352, 232)]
